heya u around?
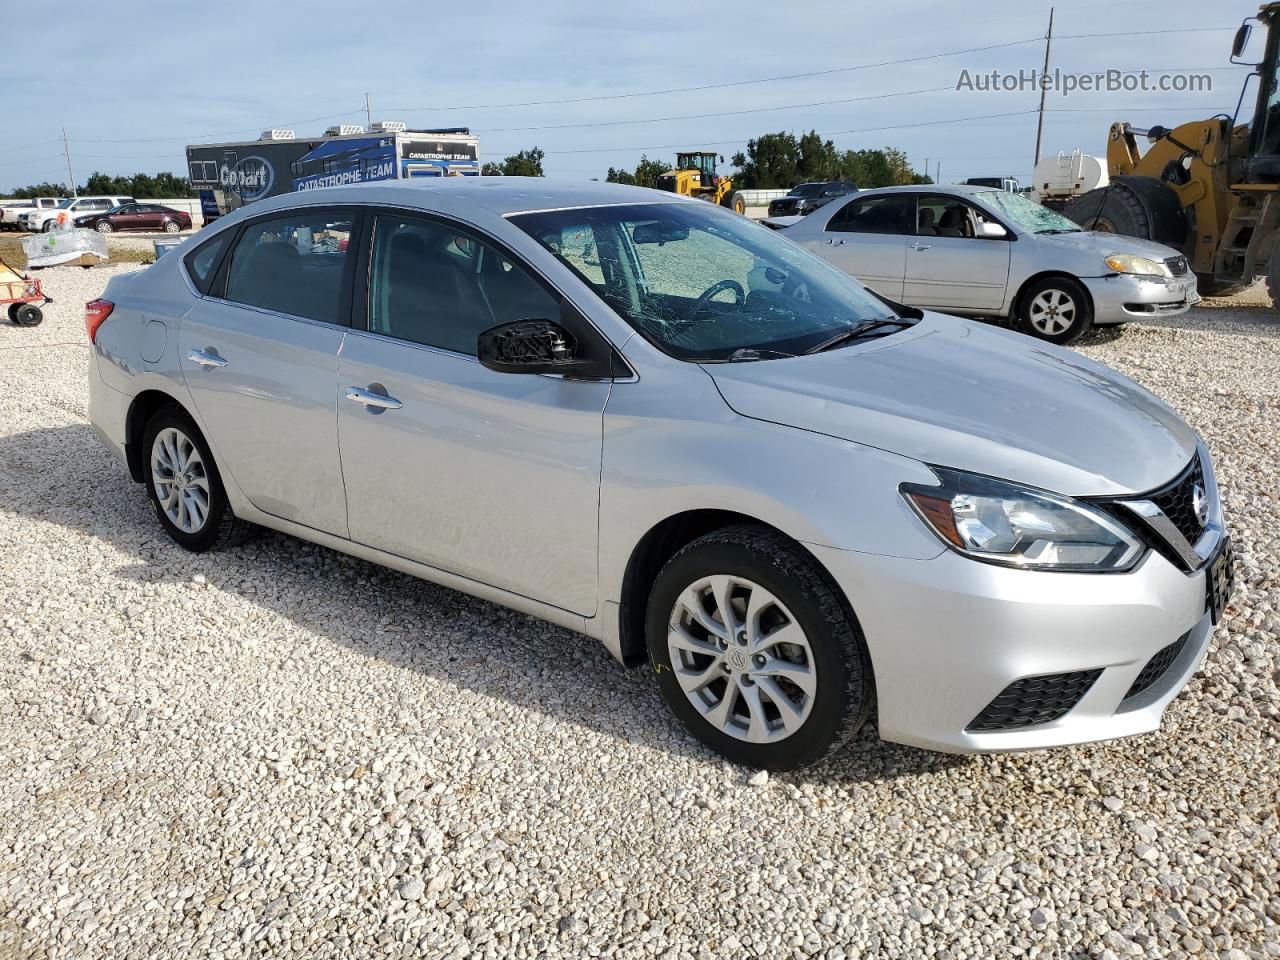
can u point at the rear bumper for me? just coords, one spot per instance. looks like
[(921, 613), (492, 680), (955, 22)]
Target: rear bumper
[(1121, 297), (108, 412), (948, 636)]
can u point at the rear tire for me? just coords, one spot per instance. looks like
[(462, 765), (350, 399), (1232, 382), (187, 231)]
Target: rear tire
[(184, 486), (1142, 207), (1056, 309), (171, 226), (746, 661), (26, 314)]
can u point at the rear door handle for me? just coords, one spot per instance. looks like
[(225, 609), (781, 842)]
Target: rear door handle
[(206, 359), (834, 242), (379, 401)]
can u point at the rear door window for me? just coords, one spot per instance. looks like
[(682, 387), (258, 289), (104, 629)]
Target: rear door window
[(294, 264)]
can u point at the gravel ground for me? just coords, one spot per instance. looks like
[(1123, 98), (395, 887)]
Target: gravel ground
[(283, 751)]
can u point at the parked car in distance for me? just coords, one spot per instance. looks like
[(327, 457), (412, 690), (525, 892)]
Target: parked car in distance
[(137, 216), (11, 209), (808, 197), (984, 252), (643, 418), (64, 214), (1009, 184)]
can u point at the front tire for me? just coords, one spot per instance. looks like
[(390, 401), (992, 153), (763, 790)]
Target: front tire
[(184, 486), (756, 651), (104, 227), (1056, 309)]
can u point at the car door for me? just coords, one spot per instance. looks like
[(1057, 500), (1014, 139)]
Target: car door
[(491, 476), (127, 217), (867, 237), (260, 360), (949, 262)]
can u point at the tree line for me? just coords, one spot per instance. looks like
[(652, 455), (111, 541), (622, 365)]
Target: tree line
[(771, 161), (152, 186)]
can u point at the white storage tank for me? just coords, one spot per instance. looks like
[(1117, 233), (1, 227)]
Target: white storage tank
[(1062, 178)]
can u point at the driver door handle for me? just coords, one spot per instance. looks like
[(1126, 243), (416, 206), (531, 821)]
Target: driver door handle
[(920, 246), (379, 401), (834, 242)]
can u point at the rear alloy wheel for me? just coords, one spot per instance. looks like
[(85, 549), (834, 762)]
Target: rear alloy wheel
[(1056, 309), (171, 226), (104, 227), (184, 487), (755, 651)]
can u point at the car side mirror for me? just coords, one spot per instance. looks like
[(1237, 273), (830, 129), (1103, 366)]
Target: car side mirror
[(992, 231), (534, 346)]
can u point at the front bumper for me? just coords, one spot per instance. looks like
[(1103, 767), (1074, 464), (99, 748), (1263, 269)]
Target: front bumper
[(1121, 297), (947, 636)]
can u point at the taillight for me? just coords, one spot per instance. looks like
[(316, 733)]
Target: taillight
[(95, 313)]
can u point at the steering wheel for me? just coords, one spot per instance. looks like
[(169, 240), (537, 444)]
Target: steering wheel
[(699, 305)]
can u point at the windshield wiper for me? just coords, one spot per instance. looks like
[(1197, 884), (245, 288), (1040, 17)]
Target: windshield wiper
[(857, 332), (745, 353), (1059, 230)]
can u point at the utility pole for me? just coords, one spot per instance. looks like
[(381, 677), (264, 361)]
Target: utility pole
[(926, 168), (368, 114), (938, 178), (66, 151), (1044, 86)]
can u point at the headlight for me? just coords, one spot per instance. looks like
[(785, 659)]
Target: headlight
[(1132, 263), (1005, 523)]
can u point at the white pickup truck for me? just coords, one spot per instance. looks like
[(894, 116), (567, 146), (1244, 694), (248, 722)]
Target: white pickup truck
[(64, 214), (10, 209)]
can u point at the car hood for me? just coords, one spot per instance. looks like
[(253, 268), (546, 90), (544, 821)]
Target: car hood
[(1105, 244), (960, 394)]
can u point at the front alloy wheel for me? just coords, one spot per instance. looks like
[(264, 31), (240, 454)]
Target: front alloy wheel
[(742, 659), (756, 650), (1056, 309), (104, 227)]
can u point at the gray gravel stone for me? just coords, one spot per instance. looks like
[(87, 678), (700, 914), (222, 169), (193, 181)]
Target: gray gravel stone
[(292, 740)]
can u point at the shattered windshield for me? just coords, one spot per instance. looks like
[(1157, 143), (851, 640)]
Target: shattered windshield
[(705, 284), (1027, 214)]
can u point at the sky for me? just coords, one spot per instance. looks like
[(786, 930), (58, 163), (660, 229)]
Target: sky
[(134, 81)]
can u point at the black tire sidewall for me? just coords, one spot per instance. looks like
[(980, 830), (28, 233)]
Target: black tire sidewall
[(27, 315), (1082, 323), (208, 535), (843, 685)]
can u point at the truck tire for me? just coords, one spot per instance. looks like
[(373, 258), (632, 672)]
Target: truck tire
[(734, 202), (1142, 207), (1206, 286)]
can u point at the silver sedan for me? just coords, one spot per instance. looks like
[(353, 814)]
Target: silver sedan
[(651, 421), (985, 252)]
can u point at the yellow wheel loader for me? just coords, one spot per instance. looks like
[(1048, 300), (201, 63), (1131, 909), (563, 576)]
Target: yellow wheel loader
[(695, 176), (1207, 188)]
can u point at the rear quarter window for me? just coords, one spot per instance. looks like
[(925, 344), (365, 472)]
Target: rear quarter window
[(202, 263)]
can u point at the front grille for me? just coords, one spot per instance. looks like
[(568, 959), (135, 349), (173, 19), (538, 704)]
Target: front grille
[(1034, 700), (1156, 667), (1177, 265), (1178, 499)]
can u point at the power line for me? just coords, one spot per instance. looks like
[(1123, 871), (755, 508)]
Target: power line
[(721, 86), (722, 113), (836, 133), (225, 133), (1137, 33)]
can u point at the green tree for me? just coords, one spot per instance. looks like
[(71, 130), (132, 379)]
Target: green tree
[(620, 176), (45, 189), (526, 163), (781, 159)]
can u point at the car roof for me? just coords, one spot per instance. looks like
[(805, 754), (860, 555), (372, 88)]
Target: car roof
[(958, 189), (499, 195)]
